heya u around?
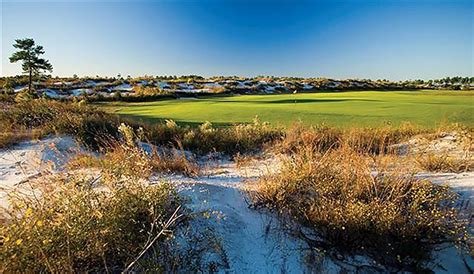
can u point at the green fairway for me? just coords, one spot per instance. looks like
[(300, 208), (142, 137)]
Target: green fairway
[(368, 108)]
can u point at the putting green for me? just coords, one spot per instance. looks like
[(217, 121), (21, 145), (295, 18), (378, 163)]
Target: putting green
[(367, 108)]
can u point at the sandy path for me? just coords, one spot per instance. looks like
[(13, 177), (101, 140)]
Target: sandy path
[(250, 239)]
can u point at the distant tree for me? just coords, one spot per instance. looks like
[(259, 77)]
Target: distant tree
[(29, 54), (75, 76)]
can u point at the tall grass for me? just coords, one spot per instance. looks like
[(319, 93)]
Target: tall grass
[(94, 128), (241, 138), (67, 224), (344, 204), (40, 117), (364, 140), (116, 221), (126, 156), (74, 224), (443, 162), (436, 154)]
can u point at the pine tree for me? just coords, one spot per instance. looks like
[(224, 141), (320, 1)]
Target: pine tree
[(29, 54)]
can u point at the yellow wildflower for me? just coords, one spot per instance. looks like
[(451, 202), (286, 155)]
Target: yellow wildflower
[(28, 212)]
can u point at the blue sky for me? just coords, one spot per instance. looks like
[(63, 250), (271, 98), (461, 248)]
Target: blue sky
[(338, 39)]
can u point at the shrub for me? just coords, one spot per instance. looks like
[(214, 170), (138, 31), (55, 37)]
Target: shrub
[(126, 157), (364, 140), (443, 162), (71, 222), (69, 225), (217, 89), (24, 96), (242, 138), (174, 161), (148, 91), (339, 204), (43, 116)]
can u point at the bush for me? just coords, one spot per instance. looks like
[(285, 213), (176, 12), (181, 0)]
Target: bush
[(341, 205), (43, 116), (148, 91), (69, 225), (125, 157), (24, 96), (443, 162), (364, 140), (243, 138), (217, 89), (107, 223)]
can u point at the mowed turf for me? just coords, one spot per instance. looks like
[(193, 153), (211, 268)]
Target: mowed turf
[(368, 108)]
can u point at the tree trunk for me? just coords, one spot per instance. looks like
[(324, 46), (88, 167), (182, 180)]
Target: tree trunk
[(29, 82)]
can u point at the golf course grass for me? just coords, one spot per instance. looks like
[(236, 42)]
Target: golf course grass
[(367, 108)]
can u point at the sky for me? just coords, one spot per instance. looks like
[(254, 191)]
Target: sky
[(377, 39)]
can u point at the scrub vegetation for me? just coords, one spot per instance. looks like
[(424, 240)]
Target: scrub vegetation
[(343, 203), (344, 191)]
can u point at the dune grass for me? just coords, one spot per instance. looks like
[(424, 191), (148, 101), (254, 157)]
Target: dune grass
[(360, 206), (115, 221), (390, 216), (368, 108)]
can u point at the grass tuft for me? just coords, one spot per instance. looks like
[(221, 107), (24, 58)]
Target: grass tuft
[(341, 202), (69, 225)]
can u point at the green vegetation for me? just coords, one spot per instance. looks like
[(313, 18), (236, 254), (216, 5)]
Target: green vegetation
[(35, 118), (367, 108), (28, 53), (94, 129), (326, 187)]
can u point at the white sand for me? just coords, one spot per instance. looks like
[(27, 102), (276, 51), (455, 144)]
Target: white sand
[(251, 239), (33, 158)]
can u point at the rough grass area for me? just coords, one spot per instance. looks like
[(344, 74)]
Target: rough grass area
[(375, 140), (343, 109), (443, 162), (112, 220), (206, 138), (40, 117), (95, 128), (340, 189), (68, 224), (127, 157), (343, 203)]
